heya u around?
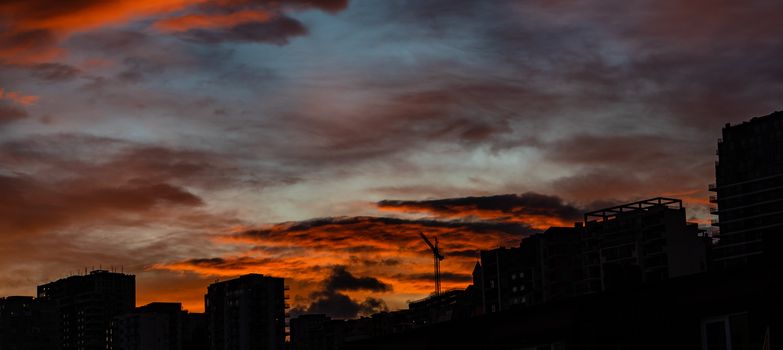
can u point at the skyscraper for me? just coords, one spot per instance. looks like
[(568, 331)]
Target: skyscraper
[(246, 313), (85, 306), (749, 192)]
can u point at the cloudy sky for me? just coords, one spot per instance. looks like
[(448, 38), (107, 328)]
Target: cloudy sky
[(194, 140)]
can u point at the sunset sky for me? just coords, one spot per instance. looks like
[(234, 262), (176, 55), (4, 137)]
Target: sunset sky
[(190, 141)]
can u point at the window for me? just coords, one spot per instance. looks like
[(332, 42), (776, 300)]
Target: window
[(728, 332)]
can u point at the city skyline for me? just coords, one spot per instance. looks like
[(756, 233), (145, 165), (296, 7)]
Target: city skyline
[(189, 141)]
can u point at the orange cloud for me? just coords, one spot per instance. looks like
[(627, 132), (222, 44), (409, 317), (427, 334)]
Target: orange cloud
[(34, 28), (187, 22), (388, 249), (82, 15), (24, 100)]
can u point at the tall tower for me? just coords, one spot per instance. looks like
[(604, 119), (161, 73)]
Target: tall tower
[(749, 192), (85, 306)]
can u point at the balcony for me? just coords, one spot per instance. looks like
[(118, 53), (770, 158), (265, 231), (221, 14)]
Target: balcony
[(712, 187), (715, 222), (713, 199)]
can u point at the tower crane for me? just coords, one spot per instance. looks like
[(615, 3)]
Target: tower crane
[(437, 257)]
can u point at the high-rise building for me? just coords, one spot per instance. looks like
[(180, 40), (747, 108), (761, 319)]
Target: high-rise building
[(246, 313), (85, 306), (155, 326), (749, 192), (640, 242)]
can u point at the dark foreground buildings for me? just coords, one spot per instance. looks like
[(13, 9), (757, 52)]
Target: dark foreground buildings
[(640, 242), (735, 310), (614, 248), (25, 324), (615, 251), (749, 193), (84, 307), (159, 326), (96, 311), (246, 313)]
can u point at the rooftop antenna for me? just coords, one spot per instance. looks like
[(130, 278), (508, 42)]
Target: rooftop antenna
[(437, 257)]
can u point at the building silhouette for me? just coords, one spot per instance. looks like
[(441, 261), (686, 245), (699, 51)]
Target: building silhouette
[(84, 307), (316, 332), (246, 313), (749, 192), (616, 247), (23, 324), (195, 336), (733, 310), (510, 278), (155, 326), (560, 261), (640, 242)]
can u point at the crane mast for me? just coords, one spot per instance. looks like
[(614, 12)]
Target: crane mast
[(437, 257)]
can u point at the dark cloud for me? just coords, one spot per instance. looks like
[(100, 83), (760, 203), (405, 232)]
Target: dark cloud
[(102, 159), (623, 167), (469, 112), (377, 262), (240, 263), (372, 306), (341, 306), (342, 280), (10, 113), (31, 207), (62, 181), (54, 71), (527, 207), (326, 5), (15, 46), (277, 31), (345, 234), (332, 302)]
